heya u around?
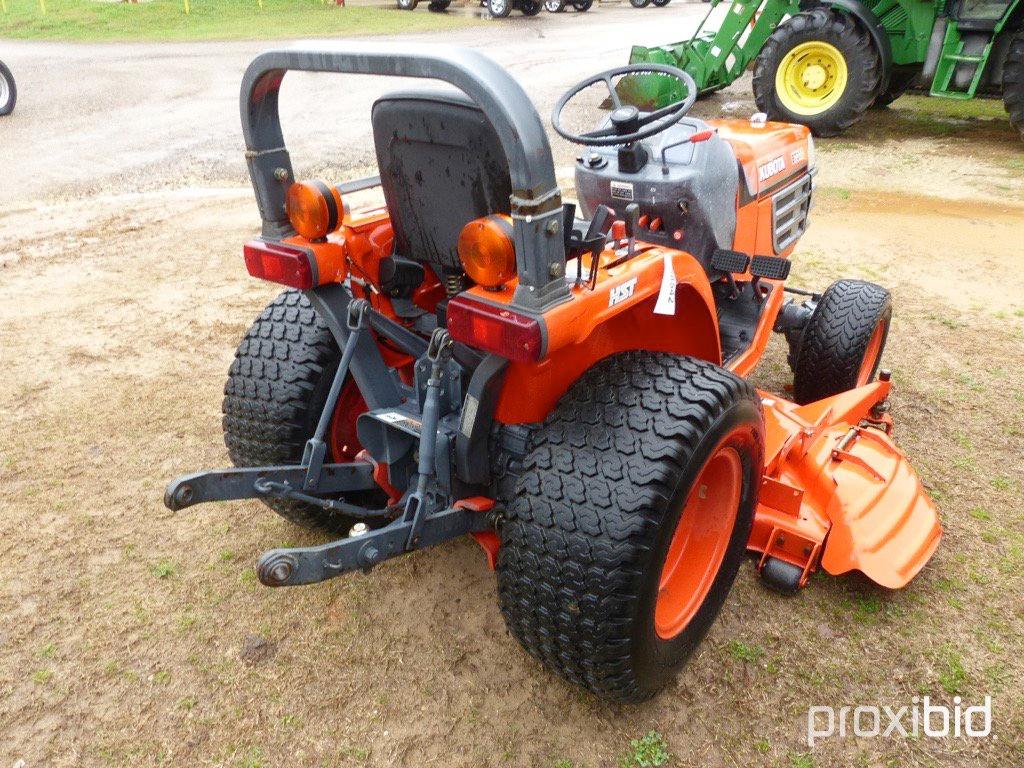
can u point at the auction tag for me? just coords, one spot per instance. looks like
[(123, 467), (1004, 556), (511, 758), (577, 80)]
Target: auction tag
[(666, 304)]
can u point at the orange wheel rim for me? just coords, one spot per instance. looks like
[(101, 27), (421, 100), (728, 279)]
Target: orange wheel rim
[(699, 542), (342, 438), (871, 355)]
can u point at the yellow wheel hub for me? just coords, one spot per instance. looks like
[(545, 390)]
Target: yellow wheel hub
[(811, 78)]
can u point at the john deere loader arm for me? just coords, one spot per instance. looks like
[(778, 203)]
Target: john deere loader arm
[(715, 58)]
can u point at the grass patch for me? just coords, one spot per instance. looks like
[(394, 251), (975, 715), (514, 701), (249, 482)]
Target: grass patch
[(743, 652), (87, 20), (951, 108), (648, 751), (953, 675), (162, 570)]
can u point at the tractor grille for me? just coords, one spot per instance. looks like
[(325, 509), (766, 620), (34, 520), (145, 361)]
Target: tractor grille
[(790, 209)]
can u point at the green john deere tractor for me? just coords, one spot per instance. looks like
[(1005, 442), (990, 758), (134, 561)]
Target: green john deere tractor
[(824, 63)]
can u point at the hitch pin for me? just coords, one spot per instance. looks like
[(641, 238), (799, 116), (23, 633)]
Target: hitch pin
[(316, 449)]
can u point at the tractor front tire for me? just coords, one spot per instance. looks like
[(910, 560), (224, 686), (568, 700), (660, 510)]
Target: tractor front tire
[(1013, 82), (276, 390), (630, 519), (820, 69), (842, 344)]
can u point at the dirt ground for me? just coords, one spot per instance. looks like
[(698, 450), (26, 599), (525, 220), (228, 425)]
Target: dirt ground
[(131, 635)]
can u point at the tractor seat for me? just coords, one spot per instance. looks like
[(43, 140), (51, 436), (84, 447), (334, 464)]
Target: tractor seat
[(441, 166)]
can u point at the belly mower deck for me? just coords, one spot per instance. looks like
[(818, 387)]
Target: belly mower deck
[(836, 494)]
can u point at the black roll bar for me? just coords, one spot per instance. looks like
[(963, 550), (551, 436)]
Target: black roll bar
[(536, 202)]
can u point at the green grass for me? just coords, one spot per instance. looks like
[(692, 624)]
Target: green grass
[(649, 751), (951, 108), (91, 20)]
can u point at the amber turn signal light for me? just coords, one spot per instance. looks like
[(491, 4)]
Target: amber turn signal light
[(314, 208), (487, 252)]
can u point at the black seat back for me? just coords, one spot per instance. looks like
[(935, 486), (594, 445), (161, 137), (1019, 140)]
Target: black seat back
[(441, 166)]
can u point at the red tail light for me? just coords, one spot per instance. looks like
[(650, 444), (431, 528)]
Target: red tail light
[(279, 263), (495, 329)]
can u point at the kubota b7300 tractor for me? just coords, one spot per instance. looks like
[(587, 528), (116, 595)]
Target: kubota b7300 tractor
[(566, 384)]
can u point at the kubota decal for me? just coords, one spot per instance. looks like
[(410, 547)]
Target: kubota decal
[(771, 168)]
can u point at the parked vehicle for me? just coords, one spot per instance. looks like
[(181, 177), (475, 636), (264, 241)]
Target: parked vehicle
[(566, 383), (500, 9), (557, 6), (434, 5), (824, 64), (8, 91)]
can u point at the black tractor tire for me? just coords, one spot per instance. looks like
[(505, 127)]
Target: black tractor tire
[(900, 79), (587, 530), (499, 9), (8, 91), (531, 7), (275, 393), (639, 3), (1013, 82), (842, 344), (661, 3), (437, 6), (583, 6), (554, 6), (854, 43)]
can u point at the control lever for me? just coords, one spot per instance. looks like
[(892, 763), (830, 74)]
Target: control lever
[(632, 221), (593, 241)]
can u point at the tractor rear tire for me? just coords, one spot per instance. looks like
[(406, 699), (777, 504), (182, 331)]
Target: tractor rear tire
[(8, 91), (596, 533), (842, 344), (275, 393), (1013, 82), (794, 52)]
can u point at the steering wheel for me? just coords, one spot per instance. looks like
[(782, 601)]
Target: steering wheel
[(628, 124)]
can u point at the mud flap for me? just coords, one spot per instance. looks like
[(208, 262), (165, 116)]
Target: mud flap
[(883, 522)]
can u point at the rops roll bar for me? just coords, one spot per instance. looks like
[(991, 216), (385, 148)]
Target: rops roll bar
[(536, 201)]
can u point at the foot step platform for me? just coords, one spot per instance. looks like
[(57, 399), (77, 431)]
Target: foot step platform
[(730, 261), (770, 267)]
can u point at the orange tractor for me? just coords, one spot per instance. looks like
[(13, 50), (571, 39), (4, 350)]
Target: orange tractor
[(564, 383)]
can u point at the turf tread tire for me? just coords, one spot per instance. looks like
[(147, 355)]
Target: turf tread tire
[(583, 526), (276, 389), (1013, 82), (863, 66), (833, 344)]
